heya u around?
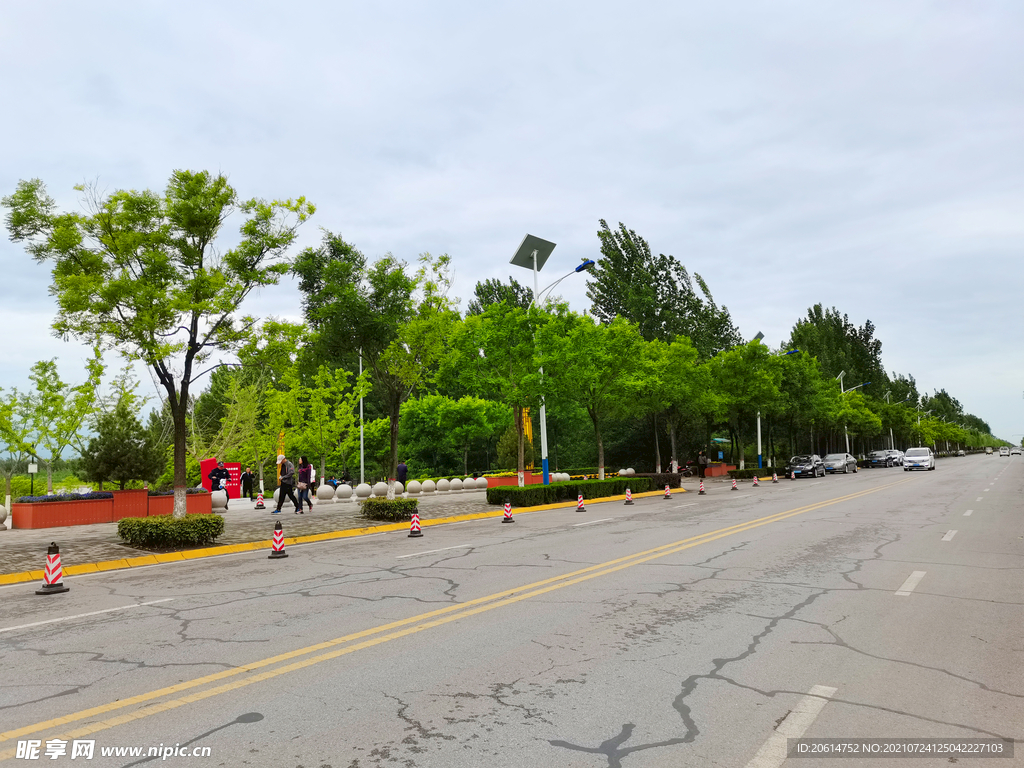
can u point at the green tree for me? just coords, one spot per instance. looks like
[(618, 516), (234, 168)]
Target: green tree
[(122, 450), (141, 272), (600, 367), (748, 379), (16, 427), (491, 291), (60, 410), (840, 346)]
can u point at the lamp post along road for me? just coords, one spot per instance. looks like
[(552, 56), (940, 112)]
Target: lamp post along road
[(760, 462), (842, 391)]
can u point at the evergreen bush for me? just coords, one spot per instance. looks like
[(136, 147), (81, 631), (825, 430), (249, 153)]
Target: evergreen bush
[(389, 510), (169, 532), (534, 495)]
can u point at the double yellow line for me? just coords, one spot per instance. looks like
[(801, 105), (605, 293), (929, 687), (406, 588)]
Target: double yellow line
[(276, 666)]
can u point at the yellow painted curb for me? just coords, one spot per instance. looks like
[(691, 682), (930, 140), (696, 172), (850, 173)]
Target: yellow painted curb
[(252, 546)]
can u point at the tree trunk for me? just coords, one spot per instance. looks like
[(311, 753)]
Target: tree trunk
[(180, 436), (600, 447), (672, 445), (465, 462), (396, 408), (743, 448), (657, 448), (49, 477)]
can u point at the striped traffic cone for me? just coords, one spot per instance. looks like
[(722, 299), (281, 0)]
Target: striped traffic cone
[(52, 573), (792, 475), (277, 551), (734, 484), (668, 492), (775, 477), (579, 504), (701, 492), (629, 498), (755, 481), (508, 512), (259, 501), (414, 526)]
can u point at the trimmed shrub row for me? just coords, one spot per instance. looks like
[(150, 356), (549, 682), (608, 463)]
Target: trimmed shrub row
[(169, 532), (65, 497), (189, 490), (533, 495), (661, 479), (746, 474), (391, 511)]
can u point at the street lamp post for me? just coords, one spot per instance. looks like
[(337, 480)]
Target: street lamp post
[(33, 468), (843, 392), (533, 253), (760, 463)]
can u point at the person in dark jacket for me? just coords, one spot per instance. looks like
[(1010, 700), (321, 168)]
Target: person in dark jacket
[(305, 483), (247, 478), (287, 484), (403, 472), (219, 477)]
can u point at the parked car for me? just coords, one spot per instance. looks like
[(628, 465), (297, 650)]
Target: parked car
[(961, 452), (878, 459), (840, 462), (806, 465), (1004, 451), (918, 458), (897, 456)]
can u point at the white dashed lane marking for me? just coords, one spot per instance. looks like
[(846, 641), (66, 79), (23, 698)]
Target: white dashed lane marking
[(912, 581)]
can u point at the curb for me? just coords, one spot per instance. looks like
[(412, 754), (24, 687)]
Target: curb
[(253, 546)]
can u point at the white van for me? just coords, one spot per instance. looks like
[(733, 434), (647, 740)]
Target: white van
[(918, 458)]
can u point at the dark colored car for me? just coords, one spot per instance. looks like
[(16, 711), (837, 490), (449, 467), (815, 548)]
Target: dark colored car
[(878, 459), (806, 465), (840, 462)]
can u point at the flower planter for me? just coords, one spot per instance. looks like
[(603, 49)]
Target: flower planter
[(529, 479), (160, 505), (195, 504), (718, 470), (133, 503), (54, 514)]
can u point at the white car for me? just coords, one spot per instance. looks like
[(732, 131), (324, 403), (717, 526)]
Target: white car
[(918, 458), (1015, 449), (1004, 451)]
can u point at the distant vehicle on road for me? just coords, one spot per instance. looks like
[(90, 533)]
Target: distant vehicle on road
[(840, 462), (897, 456), (878, 459), (806, 465), (961, 452), (918, 458), (1015, 449), (1004, 451), (988, 449)]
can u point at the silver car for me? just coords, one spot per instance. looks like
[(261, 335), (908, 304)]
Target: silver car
[(918, 458), (840, 462)]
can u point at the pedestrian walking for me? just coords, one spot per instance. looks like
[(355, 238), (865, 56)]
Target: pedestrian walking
[(305, 482), (702, 463), (219, 477), (403, 472), (287, 487), (247, 478)]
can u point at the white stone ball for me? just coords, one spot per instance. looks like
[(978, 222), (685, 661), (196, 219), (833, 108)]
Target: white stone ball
[(428, 486), (3, 516), (380, 489), (344, 492), (219, 500), (630, 471), (481, 483), (399, 488), (277, 497), (442, 486), (325, 493), (414, 487), (363, 491), (623, 473), (456, 484)]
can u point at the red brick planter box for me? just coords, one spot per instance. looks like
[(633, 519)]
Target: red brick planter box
[(718, 470), (498, 482), (132, 503), (54, 514), (195, 504)]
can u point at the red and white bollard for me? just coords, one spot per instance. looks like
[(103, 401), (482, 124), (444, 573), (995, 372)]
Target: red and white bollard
[(259, 501), (701, 492), (629, 498), (668, 492), (734, 484), (775, 477), (508, 512), (755, 481), (277, 550), (792, 475), (52, 573), (414, 526), (579, 504)]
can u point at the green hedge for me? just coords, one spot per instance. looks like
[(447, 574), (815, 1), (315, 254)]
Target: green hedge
[(392, 511), (746, 474), (168, 532), (534, 495)]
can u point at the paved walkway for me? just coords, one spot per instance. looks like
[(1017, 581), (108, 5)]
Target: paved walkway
[(25, 550)]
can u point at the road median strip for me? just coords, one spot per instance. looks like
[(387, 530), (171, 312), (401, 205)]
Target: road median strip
[(253, 546)]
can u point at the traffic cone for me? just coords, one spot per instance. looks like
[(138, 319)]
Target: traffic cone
[(277, 551), (734, 484), (259, 501), (701, 492), (52, 573), (508, 512), (775, 477), (792, 475), (629, 498), (668, 492), (579, 504), (414, 526), (755, 481)]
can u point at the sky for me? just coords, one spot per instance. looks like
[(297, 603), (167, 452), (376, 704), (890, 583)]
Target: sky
[(865, 155)]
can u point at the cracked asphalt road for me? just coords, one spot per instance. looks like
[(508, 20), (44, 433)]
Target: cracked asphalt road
[(668, 635)]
